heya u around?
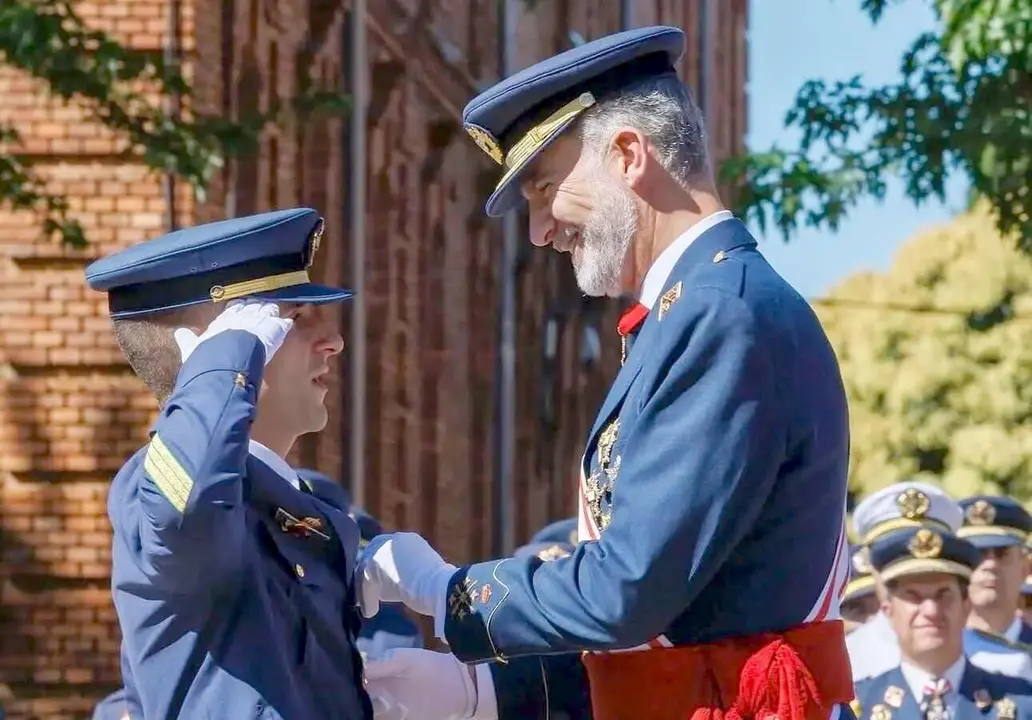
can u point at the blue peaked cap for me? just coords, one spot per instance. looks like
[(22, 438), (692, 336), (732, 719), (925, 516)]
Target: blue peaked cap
[(994, 521), (513, 121), (266, 255), (918, 551)]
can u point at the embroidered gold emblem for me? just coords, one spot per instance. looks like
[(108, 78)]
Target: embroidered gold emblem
[(313, 246), (669, 298), (925, 544), (913, 504), (894, 696), (1006, 709), (553, 552), (980, 513), (486, 142), (599, 488), (880, 712), (606, 440)]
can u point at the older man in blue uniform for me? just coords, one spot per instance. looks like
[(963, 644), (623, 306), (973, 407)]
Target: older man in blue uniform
[(231, 577), (713, 491), (925, 574), (999, 527)]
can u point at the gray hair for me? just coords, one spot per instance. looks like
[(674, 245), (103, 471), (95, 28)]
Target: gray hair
[(664, 110)]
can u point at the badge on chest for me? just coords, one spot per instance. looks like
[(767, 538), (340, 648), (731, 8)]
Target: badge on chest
[(599, 486)]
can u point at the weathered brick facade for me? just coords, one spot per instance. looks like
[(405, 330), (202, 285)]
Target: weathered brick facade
[(70, 413)]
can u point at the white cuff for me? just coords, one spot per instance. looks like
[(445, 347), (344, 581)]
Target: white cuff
[(441, 602), (487, 703)]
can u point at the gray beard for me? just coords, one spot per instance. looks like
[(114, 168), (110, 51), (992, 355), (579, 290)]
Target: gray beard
[(605, 238)]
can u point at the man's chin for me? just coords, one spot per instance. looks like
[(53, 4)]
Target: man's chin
[(593, 284)]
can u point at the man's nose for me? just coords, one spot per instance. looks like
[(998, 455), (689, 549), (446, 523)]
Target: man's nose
[(330, 340), (931, 608), (542, 228)]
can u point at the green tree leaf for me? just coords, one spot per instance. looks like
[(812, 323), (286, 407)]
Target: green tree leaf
[(962, 105), (48, 40)]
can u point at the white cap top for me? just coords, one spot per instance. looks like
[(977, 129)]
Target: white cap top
[(905, 504)]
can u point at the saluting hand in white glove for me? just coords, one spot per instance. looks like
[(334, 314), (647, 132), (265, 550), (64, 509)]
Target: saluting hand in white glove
[(258, 317)]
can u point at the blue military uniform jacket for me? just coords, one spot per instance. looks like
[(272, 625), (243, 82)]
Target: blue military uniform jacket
[(716, 469), (982, 696), (233, 588)]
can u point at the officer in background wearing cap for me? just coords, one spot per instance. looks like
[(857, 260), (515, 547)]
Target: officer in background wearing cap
[(874, 647), (925, 575), (999, 527), (859, 601), (231, 577), (704, 477)]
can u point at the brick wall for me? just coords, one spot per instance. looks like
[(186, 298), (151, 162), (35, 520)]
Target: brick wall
[(70, 412)]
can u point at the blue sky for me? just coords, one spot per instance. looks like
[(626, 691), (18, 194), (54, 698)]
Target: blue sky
[(833, 39)]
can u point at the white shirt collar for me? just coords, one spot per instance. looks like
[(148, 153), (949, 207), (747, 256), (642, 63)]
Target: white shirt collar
[(1014, 630), (656, 277), (274, 461), (917, 679)]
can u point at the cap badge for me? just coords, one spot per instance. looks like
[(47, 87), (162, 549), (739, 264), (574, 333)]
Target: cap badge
[(913, 504), (486, 142), (925, 544), (980, 513), (313, 245)]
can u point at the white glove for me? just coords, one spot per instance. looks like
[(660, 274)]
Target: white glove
[(428, 685), (402, 567), (257, 317)]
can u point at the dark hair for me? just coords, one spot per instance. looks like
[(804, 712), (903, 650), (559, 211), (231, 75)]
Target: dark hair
[(150, 348)]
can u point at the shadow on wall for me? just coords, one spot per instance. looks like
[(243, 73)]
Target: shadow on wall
[(73, 427)]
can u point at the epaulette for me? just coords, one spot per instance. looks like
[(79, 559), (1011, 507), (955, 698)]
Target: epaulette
[(1001, 640)]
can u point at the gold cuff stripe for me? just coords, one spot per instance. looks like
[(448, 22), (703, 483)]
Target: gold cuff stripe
[(222, 293), (855, 586), (915, 566), (899, 524), (975, 530), (542, 132), (166, 472)]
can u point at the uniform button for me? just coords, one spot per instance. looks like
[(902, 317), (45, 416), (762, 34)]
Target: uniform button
[(240, 380), (299, 570), (719, 257)]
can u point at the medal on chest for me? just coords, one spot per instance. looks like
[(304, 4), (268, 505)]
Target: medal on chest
[(598, 489)]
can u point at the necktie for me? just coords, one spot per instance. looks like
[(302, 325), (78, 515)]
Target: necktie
[(630, 321), (933, 704)]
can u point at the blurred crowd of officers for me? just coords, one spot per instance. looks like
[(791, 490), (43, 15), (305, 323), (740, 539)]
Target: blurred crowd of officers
[(938, 605)]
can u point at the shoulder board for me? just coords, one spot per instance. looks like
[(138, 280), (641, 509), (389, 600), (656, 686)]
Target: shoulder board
[(1001, 640)]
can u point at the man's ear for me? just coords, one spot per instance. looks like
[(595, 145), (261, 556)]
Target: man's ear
[(630, 148)]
